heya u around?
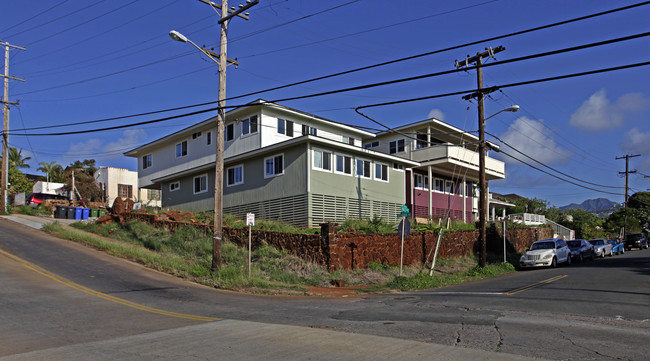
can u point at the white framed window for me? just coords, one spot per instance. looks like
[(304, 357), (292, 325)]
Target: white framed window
[(348, 140), (363, 168), (125, 190), (381, 172), (153, 194), (249, 126), (421, 181), (396, 146), (146, 161), (285, 127), (208, 135), (274, 166), (235, 175), (371, 145), (181, 149), (343, 164), (200, 184), (229, 132), (174, 186), (449, 187), (196, 135), (439, 185), (322, 160)]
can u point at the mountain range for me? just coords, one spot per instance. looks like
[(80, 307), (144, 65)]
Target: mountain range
[(599, 206)]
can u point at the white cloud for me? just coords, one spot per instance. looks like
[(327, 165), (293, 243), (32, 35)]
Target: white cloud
[(531, 138), (637, 142), (130, 138), (105, 153), (436, 113), (598, 114)]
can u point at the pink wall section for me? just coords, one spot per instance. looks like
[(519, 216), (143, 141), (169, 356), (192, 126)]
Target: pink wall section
[(441, 203)]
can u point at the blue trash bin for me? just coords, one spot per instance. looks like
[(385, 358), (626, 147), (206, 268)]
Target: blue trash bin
[(78, 212), (85, 213)]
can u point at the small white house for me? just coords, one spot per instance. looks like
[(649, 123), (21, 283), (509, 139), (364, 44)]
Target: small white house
[(118, 182), (49, 188)]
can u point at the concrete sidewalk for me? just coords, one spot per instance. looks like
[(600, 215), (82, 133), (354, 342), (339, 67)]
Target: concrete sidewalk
[(243, 340), (36, 222)]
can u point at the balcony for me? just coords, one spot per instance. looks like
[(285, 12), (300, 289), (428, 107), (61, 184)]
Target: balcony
[(455, 159)]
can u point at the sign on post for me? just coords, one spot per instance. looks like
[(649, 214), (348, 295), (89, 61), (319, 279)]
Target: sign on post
[(250, 222)]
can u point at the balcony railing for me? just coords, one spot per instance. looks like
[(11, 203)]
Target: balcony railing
[(458, 156)]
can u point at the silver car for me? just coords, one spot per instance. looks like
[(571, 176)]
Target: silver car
[(546, 253), (602, 248)]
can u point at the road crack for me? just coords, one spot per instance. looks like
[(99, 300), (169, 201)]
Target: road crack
[(500, 342), (564, 336)]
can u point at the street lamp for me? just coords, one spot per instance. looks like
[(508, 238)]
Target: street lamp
[(221, 117), (483, 200)]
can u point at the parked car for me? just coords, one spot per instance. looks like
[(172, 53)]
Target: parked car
[(546, 253), (601, 247), (618, 247), (35, 199), (635, 240), (581, 250)]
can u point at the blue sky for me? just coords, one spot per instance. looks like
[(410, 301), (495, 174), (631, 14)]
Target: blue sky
[(89, 60)]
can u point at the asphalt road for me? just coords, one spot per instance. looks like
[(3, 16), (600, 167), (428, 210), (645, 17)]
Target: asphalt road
[(60, 300)]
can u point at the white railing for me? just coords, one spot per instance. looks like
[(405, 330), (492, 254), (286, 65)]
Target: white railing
[(450, 153)]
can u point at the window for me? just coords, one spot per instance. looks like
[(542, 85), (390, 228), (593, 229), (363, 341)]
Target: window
[(229, 133), (196, 135), (422, 140), (343, 164), (235, 175), (146, 161), (470, 189), (374, 144), (421, 181), (285, 127), (209, 137), (153, 194), (249, 126), (181, 149), (449, 187), (274, 166), (363, 168), (396, 146), (440, 185), (381, 171), (348, 140), (174, 186), (125, 190), (201, 184), (398, 166), (306, 129), (322, 160)]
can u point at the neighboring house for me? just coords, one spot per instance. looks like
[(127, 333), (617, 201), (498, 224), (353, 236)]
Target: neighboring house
[(444, 181), (531, 219), (279, 163), (49, 188), (118, 182)]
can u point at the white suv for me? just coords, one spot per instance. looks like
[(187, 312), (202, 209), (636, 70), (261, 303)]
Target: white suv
[(547, 252)]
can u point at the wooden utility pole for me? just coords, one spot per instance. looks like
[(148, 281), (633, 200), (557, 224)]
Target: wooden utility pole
[(627, 171), (5, 127), (226, 15), (479, 94)]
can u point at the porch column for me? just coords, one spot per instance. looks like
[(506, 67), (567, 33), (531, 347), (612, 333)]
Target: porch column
[(430, 190), (464, 200)]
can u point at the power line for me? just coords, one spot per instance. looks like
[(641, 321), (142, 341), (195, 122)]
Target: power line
[(549, 167), (35, 16), (554, 176), (528, 82)]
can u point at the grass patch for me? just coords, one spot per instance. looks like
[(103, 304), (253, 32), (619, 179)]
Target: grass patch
[(32, 211), (187, 253)]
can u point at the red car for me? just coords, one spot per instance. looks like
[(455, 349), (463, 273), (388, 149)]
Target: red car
[(35, 199)]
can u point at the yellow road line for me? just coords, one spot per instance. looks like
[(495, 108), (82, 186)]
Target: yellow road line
[(105, 296), (541, 283)]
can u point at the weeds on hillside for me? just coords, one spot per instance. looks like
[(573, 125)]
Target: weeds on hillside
[(187, 253), (376, 224), (31, 211)]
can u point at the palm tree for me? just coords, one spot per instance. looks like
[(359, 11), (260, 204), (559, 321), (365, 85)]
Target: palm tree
[(16, 158), (48, 168)]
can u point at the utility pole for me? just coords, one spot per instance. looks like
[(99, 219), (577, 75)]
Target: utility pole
[(5, 127), (226, 15), (627, 171), (479, 94)]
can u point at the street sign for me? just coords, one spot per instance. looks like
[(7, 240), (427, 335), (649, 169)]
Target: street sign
[(404, 215), (404, 228), (250, 219), (404, 208)]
